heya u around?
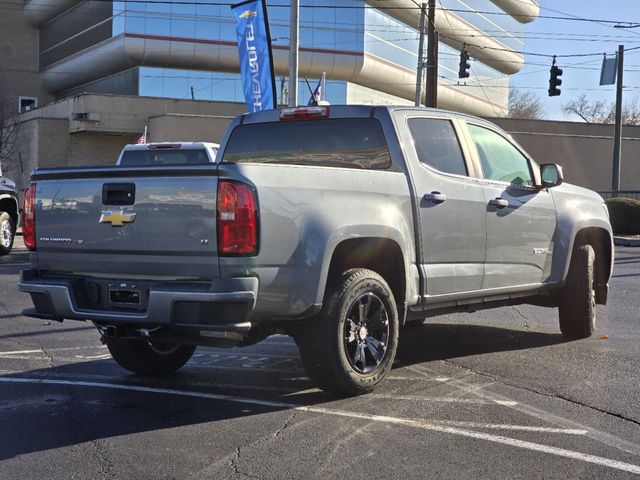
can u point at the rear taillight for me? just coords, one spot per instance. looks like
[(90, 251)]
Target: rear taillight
[(29, 217), (237, 219)]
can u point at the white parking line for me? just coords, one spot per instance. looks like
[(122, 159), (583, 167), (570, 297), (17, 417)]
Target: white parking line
[(60, 349), (420, 424), (94, 357), (20, 352), (423, 398), (598, 435), (522, 428)]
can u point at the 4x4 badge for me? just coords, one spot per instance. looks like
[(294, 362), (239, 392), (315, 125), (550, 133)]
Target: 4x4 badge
[(115, 218)]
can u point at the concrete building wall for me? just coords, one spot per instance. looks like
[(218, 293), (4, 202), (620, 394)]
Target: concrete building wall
[(89, 148), (188, 128), (39, 143), (125, 114), (19, 68)]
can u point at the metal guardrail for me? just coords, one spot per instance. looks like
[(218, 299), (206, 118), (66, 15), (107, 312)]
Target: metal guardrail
[(633, 194)]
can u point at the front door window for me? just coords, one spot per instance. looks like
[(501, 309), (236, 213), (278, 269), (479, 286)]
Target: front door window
[(500, 160)]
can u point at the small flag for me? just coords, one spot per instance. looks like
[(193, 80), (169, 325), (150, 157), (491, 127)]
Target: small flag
[(318, 94), (143, 138)]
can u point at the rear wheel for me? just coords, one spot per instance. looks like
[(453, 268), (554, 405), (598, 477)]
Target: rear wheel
[(152, 358), (350, 346), (7, 233), (577, 309)]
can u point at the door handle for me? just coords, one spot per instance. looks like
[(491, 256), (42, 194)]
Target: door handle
[(499, 202), (435, 197)]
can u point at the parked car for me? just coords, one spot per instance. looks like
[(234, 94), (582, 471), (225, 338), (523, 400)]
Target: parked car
[(336, 225), (168, 153), (9, 214)]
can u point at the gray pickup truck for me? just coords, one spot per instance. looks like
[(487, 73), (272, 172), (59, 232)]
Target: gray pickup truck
[(9, 214), (336, 225)]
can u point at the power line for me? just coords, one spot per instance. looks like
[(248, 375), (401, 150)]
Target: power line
[(566, 17)]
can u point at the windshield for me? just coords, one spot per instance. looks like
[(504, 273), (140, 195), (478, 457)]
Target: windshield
[(137, 158)]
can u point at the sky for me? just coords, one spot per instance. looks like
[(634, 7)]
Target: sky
[(562, 37)]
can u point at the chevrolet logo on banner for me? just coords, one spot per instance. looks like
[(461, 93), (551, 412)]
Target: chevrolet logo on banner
[(117, 219), (254, 50)]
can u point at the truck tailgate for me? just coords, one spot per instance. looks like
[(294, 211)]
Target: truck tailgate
[(129, 222)]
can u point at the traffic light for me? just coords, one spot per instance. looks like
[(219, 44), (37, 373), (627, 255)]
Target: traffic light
[(464, 64), (555, 81)]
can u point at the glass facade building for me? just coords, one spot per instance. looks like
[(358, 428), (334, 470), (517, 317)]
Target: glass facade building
[(187, 50)]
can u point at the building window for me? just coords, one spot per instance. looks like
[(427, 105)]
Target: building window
[(26, 104)]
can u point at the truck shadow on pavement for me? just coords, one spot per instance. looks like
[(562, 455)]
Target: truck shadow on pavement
[(442, 341), (86, 401)]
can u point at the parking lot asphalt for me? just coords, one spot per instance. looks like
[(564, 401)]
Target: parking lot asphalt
[(493, 394)]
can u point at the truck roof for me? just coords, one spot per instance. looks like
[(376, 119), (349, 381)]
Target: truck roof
[(351, 111), (171, 145)]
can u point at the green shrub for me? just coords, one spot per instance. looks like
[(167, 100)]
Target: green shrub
[(625, 215)]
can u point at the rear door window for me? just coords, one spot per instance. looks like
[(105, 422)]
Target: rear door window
[(437, 145), (342, 142)]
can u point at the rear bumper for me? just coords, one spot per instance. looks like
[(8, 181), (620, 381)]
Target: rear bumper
[(223, 305)]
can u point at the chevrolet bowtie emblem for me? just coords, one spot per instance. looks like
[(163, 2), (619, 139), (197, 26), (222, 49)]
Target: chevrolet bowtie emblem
[(117, 219), (248, 14)]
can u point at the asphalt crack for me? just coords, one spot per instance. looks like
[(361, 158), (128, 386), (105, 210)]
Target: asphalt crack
[(522, 316), (45, 353), (503, 381), (235, 460), (98, 446)]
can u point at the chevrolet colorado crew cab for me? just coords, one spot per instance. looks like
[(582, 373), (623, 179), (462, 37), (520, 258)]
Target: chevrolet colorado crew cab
[(336, 225), (9, 214)]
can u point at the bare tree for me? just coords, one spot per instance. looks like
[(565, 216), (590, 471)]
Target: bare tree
[(8, 127), (599, 111), (630, 112), (524, 105)]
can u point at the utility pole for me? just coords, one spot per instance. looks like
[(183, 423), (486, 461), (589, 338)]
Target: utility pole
[(617, 137), (420, 74), (283, 92), (432, 58), (294, 30)]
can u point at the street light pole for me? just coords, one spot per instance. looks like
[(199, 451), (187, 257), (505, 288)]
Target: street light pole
[(420, 73), (432, 57), (617, 138), (294, 30)]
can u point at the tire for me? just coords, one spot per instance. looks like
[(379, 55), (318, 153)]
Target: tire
[(140, 356), (577, 309), (349, 347), (7, 233)]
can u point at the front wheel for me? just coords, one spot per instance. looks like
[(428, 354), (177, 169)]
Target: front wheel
[(350, 346), (7, 233), (577, 309), (151, 358)]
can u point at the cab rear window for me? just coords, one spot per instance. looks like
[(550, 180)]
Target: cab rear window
[(344, 142), (152, 157)]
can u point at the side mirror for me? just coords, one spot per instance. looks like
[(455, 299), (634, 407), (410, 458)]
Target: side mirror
[(551, 175)]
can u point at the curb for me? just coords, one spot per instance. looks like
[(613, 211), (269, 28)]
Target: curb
[(626, 242)]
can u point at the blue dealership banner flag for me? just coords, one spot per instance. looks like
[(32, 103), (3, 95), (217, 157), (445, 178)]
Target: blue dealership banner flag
[(256, 60)]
